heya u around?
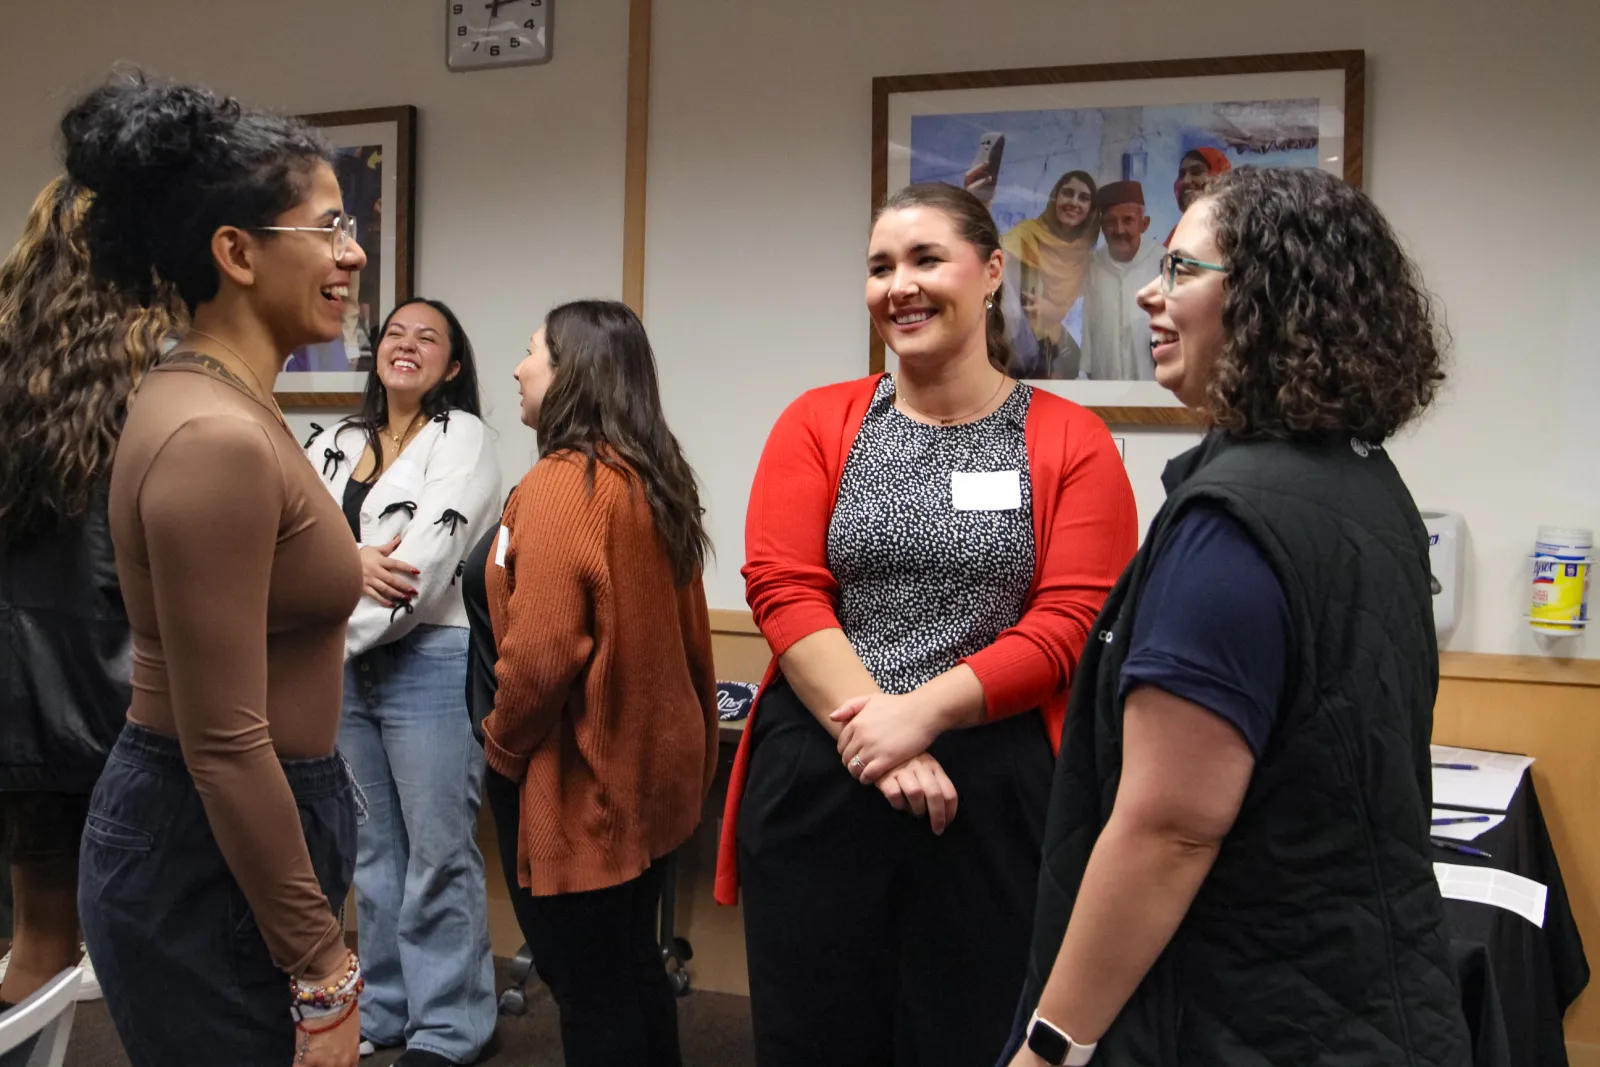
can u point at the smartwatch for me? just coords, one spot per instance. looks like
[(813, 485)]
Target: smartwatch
[(1055, 1047)]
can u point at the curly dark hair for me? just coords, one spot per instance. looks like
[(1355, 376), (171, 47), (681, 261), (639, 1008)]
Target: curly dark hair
[(71, 352), (1328, 326), (170, 164)]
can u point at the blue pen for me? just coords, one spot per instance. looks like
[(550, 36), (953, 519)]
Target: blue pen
[(1456, 766), (1465, 850), (1453, 820)]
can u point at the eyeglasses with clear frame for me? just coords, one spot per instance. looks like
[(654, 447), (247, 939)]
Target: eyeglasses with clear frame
[(1169, 269), (341, 233)]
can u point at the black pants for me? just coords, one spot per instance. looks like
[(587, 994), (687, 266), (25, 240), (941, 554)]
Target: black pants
[(871, 941), (187, 978), (598, 954)]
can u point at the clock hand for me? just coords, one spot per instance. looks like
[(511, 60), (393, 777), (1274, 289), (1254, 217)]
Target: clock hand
[(494, 6)]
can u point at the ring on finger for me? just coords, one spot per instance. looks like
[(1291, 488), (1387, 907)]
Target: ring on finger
[(856, 764)]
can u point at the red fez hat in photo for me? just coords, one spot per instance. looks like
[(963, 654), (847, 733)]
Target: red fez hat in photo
[(1113, 193), (1216, 162)]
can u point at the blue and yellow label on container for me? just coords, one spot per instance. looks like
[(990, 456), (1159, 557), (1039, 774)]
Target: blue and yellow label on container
[(1560, 592)]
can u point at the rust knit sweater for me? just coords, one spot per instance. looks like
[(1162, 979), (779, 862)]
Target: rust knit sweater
[(606, 710)]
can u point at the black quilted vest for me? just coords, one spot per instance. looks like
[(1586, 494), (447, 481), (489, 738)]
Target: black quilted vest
[(1319, 935)]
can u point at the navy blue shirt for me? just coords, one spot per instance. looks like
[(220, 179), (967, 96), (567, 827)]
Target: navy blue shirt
[(1213, 624)]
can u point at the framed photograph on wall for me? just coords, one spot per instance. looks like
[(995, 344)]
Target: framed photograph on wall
[(374, 158), (1086, 171)]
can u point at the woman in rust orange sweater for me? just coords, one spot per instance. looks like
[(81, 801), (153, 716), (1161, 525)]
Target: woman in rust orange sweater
[(925, 554), (603, 739)]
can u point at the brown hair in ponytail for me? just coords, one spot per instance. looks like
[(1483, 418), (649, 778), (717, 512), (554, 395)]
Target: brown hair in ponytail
[(72, 350), (976, 227)]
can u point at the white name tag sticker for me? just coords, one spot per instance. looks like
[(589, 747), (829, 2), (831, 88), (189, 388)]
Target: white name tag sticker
[(501, 543), (405, 476), (986, 490)]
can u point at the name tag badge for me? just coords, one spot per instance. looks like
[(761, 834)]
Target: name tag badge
[(501, 543), (405, 476), (986, 490)]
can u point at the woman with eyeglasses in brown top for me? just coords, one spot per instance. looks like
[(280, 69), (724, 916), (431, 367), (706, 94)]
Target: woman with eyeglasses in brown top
[(221, 838)]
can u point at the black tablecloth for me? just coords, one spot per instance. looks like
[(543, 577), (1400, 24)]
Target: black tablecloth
[(1517, 979)]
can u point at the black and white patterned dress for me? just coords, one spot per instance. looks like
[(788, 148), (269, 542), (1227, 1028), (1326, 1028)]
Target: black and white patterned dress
[(923, 585)]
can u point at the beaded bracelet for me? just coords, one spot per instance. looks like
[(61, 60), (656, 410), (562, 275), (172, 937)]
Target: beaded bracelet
[(313, 1012), (331, 996)]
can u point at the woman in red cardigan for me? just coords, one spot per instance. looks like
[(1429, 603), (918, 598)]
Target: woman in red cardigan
[(926, 554)]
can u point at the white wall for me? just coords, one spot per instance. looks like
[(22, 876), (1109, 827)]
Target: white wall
[(519, 171), (1480, 148)]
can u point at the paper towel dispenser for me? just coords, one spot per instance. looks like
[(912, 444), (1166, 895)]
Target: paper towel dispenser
[(1447, 558)]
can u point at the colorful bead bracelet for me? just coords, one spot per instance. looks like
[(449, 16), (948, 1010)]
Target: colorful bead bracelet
[(332, 996)]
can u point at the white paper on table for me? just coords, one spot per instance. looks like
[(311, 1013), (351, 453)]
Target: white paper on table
[(1489, 788), (1489, 886), (1463, 831)]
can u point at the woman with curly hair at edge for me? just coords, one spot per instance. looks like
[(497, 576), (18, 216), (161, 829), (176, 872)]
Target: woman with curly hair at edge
[(220, 840), (1237, 867), (72, 352)]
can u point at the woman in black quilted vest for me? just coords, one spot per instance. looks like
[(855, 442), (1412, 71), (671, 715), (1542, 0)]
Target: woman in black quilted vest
[(1237, 864)]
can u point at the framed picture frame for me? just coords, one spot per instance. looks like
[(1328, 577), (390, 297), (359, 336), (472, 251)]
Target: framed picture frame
[(1086, 170), (375, 160)]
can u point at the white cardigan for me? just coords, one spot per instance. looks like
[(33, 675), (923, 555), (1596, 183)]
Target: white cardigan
[(449, 469)]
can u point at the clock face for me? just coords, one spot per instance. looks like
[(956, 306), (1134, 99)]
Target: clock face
[(496, 33)]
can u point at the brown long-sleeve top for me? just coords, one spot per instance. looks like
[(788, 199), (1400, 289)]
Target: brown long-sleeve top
[(607, 698), (239, 573)]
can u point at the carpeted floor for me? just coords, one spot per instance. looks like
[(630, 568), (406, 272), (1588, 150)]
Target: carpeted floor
[(714, 1031)]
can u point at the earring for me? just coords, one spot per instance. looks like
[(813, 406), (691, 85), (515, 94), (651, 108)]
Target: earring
[(988, 302)]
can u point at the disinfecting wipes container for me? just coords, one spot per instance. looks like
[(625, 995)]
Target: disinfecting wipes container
[(1562, 559)]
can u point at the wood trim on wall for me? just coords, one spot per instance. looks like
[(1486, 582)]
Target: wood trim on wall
[(724, 621), (636, 155), (317, 400), (1151, 417), (1579, 1055), (1536, 670)]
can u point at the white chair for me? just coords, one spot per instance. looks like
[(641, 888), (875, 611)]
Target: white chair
[(47, 1013)]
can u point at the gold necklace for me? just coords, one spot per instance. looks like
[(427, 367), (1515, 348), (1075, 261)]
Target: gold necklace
[(260, 393), (400, 439), (949, 420)]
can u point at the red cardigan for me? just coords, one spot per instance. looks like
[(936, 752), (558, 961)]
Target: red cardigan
[(1085, 529)]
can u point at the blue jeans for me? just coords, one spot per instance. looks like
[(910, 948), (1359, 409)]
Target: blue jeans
[(421, 909), (187, 977)]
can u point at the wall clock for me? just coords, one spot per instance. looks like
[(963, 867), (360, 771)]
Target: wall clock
[(483, 34)]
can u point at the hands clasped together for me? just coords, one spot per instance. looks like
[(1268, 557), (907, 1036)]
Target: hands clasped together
[(885, 743)]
